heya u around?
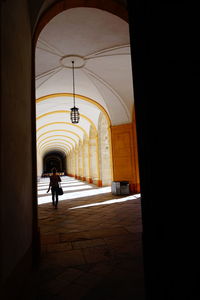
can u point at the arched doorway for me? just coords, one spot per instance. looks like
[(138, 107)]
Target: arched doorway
[(54, 159), (87, 144), (103, 78)]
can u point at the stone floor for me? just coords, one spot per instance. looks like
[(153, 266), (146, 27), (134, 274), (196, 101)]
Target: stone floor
[(91, 244)]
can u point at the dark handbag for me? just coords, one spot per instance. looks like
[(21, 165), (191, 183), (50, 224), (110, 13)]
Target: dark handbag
[(60, 191)]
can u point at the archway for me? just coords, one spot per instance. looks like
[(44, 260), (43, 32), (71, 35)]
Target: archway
[(54, 159), (28, 117), (104, 81), (87, 144)]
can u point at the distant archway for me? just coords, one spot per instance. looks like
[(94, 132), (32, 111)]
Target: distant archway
[(54, 159)]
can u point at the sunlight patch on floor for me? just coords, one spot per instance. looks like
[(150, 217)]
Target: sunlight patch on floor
[(66, 189), (108, 201), (68, 196), (63, 184), (74, 189)]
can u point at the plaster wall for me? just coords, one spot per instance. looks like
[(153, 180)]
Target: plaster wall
[(136, 185), (73, 164), (16, 136), (80, 161), (39, 164), (104, 151), (93, 160), (124, 153), (86, 161)]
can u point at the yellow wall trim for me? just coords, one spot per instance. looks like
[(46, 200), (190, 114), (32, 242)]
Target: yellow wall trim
[(57, 130), (66, 123), (56, 135), (66, 112), (58, 142), (77, 96), (61, 148), (56, 145)]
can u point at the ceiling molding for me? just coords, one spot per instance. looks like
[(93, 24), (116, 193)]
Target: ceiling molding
[(59, 141), (107, 85), (66, 123), (46, 97), (56, 145), (50, 149), (55, 135), (58, 130), (50, 48), (68, 112), (96, 53), (49, 72)]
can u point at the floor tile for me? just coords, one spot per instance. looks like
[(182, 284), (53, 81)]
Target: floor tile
[(91, 247)]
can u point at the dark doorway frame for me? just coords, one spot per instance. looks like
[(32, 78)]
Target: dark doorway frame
[(56, 8)]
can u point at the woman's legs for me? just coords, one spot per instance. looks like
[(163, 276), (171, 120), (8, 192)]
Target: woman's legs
[(56, 192), (53, 192)]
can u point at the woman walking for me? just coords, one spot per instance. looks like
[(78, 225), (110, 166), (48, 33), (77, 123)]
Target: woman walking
[(54, 185)]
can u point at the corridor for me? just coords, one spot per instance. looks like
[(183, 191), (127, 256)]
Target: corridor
[(91, 244)]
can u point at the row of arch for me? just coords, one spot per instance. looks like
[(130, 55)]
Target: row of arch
[(88, 151), (92, 160)]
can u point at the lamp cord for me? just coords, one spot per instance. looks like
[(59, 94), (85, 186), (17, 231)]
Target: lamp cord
[(73, 82)]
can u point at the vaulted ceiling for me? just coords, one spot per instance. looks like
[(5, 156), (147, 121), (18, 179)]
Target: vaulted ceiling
[(98, 42)]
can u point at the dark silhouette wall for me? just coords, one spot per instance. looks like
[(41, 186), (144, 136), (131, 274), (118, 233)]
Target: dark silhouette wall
[(166, 75), (16, 140)]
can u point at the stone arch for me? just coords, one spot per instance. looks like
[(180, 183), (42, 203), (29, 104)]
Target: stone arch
[(114, 8), (58, 7)]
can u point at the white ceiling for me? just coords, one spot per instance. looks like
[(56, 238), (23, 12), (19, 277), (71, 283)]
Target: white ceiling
[(99, 42)]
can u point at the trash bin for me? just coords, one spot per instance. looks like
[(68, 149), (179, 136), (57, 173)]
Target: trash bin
[(120, 188), (115, 188)]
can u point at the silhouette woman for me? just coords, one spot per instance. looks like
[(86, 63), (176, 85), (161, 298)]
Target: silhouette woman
[(54, 185)]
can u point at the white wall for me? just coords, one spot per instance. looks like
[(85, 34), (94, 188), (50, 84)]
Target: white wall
[(39, 164)]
